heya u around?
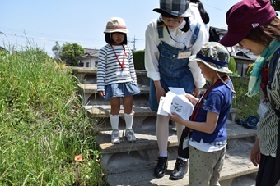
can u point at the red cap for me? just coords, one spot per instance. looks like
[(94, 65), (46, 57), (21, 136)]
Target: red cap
[(243, 17)]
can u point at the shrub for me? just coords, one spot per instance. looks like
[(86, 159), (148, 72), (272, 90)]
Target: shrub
[(138, 58)]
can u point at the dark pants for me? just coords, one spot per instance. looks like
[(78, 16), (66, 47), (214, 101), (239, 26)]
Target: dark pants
[(266, 175), (184, 152)]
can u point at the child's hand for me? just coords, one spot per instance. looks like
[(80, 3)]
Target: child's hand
[(176, 117), (196, 92), (160, 92), (102, 93), (189, 96)]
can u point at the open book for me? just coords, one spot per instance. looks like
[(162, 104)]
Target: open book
[(174, 102)]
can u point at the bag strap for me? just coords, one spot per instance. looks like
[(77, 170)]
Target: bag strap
[(159, 29), (195, 33)]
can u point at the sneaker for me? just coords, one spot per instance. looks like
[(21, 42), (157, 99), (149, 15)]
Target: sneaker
[(161, 167), (181, 168), (115, 136), (129, 135)]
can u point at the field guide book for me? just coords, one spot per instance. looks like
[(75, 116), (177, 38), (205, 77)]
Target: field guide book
[(175, 101)]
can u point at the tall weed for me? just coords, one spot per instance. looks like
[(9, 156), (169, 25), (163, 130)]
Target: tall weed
[(42, 124)]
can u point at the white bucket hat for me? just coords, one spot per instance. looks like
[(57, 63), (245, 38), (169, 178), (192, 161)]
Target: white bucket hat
[(215, 56), (116, 24), (177, 8)]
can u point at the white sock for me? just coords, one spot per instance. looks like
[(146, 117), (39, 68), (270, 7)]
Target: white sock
[(128, 118), (184, 159), (162, 133), (114, 120)]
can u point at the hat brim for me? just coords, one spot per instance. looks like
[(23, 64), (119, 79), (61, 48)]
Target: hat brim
[(187, 13), (213, 67), (230, 39), (110, 31)]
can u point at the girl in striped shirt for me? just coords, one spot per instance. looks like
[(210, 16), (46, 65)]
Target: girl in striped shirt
[(116, 77)]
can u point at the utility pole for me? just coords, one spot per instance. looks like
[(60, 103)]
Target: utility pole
[(134, 41)]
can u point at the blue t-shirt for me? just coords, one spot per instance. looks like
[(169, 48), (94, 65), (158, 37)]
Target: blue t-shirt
[(219, 101)]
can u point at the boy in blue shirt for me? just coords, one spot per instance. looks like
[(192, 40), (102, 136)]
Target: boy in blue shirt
[(207, 125)]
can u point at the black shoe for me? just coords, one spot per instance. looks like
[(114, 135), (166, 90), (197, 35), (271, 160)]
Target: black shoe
[(161, 167), (181, 168)]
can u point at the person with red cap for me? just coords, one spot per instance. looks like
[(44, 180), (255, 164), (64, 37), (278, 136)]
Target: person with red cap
[(253, 25)]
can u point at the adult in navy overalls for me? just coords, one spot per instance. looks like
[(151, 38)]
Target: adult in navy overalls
[(170, 41)]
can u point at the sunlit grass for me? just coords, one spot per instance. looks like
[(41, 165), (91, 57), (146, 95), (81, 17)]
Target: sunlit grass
[(42, 124), (246, 106)]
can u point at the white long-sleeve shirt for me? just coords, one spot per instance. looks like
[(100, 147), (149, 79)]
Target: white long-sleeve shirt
[(152, 52), (108, 68)]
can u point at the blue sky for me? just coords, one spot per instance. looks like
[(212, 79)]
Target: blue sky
[(41, 23)]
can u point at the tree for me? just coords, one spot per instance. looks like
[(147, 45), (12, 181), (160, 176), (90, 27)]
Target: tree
[(71, 53), (57, 51)]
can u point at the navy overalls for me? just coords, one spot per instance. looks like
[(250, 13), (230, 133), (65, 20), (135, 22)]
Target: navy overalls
[(174, 72)]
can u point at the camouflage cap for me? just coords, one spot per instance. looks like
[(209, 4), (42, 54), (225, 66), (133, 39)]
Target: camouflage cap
[(215, 56)]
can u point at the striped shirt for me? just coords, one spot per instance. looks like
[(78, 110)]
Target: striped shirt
[(109, 70), (268, 127)]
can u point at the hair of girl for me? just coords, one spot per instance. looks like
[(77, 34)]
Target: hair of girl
[(109, 40), (265, 34), (203, 14)]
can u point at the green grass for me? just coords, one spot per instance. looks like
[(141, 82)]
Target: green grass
[(246, 106), (42, 124)]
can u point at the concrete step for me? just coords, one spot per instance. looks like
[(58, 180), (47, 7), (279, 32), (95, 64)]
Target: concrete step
[(93, 71), (92, 88), (88, 92), (144, 117), (236, 164), (100, 115), (102, 110), (125, 157), (88, 75)]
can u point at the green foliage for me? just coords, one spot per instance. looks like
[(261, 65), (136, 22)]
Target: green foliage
[(232, 66), (246, 106), (249, 69), (71, 53), (42, 124), (138, 58)]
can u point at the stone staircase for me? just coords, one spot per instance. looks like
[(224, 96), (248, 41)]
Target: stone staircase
[(133, 163)]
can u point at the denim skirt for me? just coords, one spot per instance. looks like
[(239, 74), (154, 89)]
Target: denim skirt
[(121, 90)]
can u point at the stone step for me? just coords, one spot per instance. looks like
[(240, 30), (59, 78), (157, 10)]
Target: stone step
[(92, 88), (236, 164), (88, 75), (144, 117), (103, 110), (125, 157), (93, 71), (100, 115), (88, 91)]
